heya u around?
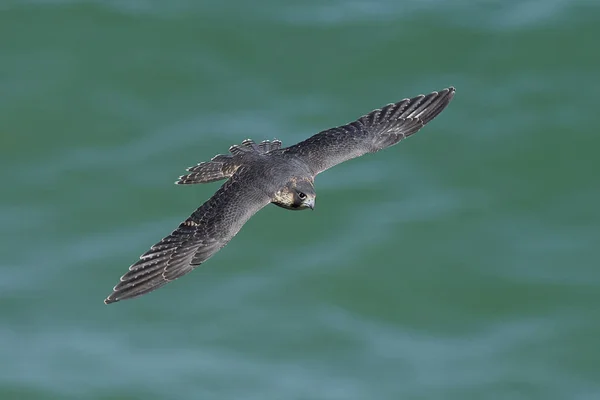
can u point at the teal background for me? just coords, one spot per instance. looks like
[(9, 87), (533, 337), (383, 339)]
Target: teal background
[(461, 264)]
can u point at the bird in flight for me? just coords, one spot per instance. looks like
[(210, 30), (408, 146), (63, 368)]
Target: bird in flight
[(264, 173)]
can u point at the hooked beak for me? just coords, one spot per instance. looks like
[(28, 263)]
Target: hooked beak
[(310, 203)]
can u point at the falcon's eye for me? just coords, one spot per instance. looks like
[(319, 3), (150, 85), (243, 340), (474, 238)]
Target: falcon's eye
[(301, 195)]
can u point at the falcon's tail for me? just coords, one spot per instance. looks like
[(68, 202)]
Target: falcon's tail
[(222, 166)]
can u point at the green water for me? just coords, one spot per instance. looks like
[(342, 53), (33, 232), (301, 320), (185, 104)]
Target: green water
[(461, 264)]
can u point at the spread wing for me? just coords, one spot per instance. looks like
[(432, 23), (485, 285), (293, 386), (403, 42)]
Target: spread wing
[(375, 131), (196, 239)]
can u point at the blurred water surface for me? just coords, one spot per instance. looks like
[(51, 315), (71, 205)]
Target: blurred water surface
[(461, 264)]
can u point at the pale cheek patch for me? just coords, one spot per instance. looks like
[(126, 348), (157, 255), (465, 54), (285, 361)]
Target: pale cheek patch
[(284, 197)]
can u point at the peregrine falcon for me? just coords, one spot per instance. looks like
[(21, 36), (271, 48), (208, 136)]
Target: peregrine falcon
[(264, 173)]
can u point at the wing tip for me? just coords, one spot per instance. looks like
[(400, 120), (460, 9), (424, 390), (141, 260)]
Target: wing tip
[(449, 92), (182, 180), (436, 103)]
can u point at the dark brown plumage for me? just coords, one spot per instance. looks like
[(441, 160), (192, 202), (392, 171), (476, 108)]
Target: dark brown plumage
[(259, 174)]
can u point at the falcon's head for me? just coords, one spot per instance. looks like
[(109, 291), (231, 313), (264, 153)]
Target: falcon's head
[(297, 194)]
